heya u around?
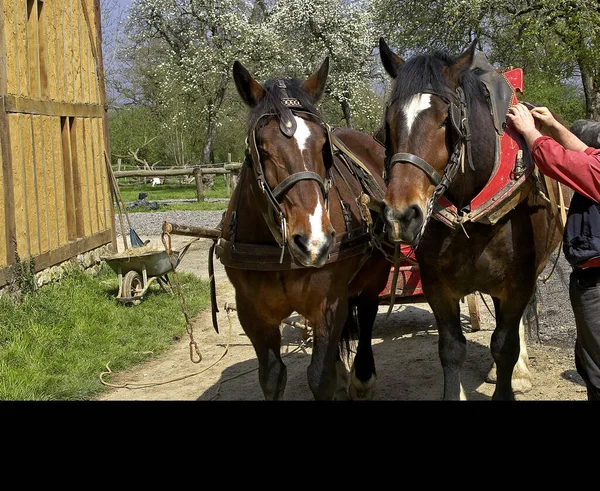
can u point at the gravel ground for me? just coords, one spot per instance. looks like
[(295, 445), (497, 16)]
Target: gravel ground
[(556, 322)]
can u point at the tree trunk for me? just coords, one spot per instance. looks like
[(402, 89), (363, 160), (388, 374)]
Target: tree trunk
[(347, 113), (591, 90), (211, 128)]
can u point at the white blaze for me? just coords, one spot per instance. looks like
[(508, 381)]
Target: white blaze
[(416, 104), (316, 236), (301, 136)]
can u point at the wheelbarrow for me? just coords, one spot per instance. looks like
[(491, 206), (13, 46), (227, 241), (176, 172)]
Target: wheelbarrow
[(137, 268)]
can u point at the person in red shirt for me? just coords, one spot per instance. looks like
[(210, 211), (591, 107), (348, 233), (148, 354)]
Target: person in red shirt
[(561, 155)]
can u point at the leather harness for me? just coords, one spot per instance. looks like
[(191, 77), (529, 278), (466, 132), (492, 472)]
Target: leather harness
[(276, 257)]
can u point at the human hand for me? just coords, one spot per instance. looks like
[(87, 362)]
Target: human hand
[(521, 118), (544, 117)]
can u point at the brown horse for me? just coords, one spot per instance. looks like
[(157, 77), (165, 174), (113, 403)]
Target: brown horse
[(442, 145), (295, 237)]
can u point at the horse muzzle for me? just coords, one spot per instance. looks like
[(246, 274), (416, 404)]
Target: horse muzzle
[(309, 251), (403, 225)]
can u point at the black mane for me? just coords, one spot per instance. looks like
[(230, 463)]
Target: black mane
[(427, 71), (271, 103)]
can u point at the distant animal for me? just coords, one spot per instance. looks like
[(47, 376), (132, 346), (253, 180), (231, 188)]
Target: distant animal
[(296, 239), (157, 181), (588, 131), (441, 142)]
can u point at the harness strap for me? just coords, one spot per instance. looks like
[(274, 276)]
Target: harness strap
[(409, 158), (289, 181)]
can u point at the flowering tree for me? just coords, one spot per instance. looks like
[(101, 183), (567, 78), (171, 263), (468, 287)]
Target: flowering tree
[(310, 30), (189, 48)]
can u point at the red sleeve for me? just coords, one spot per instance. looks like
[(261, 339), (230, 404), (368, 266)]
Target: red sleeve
[(578, 170)]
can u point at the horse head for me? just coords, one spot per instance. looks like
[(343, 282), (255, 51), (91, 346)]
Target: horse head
[(425, 132), (289, 151)]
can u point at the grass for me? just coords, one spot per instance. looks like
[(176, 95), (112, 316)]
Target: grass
[(177, 191), (57, 342), (172, 191)]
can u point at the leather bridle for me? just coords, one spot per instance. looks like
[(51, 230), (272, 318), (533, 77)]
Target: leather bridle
[(274, 215), (461, 138)]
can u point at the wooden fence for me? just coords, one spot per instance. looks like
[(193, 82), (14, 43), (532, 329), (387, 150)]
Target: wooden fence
[(229, 169)]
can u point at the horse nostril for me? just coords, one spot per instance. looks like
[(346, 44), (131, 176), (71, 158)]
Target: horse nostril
[(411, 215), (301, 243)]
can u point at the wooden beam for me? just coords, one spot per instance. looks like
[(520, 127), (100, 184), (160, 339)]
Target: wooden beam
[(25, 105)]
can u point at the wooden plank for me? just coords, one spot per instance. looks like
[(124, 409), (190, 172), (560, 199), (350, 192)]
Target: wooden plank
[(41, 186), (6, 8), (67, 32), (7, 251), (88, 38), (14, 104), (22, 66), (109, 211), (101, 205), (19, 184), (50, 24), (59, 181), (76, 169), (43, 47), (84, 53), (50, 181), (31, 197), (68, 177), (90, 188), (76, 50), (33, 49)]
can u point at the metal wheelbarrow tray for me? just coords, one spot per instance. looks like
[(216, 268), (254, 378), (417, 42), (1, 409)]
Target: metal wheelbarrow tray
[(137, 268)]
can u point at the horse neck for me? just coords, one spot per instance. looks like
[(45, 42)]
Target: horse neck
[(468, 183)]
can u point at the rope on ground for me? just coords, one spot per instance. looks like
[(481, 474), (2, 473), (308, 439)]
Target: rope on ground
[(135, 385)]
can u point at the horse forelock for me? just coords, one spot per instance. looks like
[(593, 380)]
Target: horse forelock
[(271, 102), (427, 72)]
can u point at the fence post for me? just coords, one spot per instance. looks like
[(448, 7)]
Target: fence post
[(199, 187), (228, 177)]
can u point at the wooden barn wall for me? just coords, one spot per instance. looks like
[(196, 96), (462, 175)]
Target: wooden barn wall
[(53, 133)]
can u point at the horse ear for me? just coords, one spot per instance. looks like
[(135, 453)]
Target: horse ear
[(391, 61), (463, 63), (314, 86), (249, 89)]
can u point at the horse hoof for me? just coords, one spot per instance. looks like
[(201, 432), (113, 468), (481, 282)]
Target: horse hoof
[(491, 377), (520, 383), (362, 391)]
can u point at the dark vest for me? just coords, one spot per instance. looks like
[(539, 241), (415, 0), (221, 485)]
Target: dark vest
[(581, 240)]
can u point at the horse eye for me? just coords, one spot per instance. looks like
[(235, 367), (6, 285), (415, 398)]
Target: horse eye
[(445, 122)]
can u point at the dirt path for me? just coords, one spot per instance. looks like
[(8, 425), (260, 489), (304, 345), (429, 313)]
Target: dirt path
[(405, 349)]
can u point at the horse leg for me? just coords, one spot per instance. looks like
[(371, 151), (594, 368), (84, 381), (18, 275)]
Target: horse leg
[(521, 377), (363, 374), (452, 344), (324, 372), (266, 339), (505, 346)]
